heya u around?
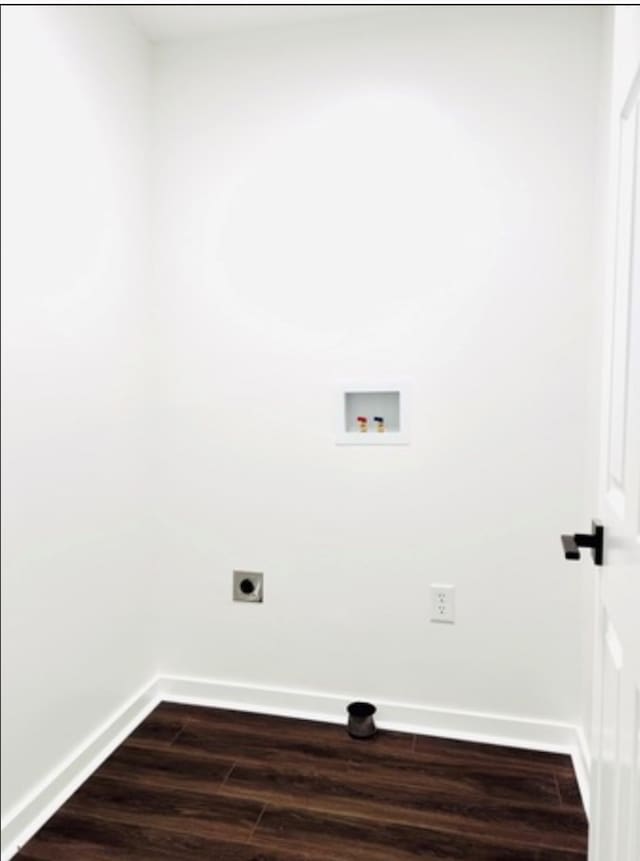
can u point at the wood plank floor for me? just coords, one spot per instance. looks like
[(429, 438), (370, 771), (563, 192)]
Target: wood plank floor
[(194, 783)]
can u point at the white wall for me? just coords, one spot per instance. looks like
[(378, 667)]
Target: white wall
[(409, 194), (405, 194), (76, 621)]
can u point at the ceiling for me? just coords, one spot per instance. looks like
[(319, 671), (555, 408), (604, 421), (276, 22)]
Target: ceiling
[(163, 23)]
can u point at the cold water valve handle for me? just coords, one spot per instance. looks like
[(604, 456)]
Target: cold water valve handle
[(571, 544)]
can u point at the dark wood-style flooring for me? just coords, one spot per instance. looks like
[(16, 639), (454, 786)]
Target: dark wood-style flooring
[(196, 783)]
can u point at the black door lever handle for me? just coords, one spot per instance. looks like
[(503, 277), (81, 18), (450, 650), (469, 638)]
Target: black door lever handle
[(571, 544), (571, 550)]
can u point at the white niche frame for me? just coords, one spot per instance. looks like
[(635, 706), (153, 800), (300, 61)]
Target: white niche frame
[(392, 435)]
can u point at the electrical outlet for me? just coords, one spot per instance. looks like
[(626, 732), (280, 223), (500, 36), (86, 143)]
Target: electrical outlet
[(443, 605)]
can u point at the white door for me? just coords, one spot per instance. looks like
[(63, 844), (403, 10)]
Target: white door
[(615, 807)]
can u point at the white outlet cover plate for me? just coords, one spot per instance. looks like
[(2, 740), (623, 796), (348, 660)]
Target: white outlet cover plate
[(443, 603)]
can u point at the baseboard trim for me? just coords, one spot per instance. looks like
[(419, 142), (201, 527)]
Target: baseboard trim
[(489, 728), (581, 758), (25, 819), (22, 822), (426, 720)]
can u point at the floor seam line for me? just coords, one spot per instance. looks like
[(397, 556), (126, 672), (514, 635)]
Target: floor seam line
[(227, 776), (557, 785), (178, 734), (258, 821)]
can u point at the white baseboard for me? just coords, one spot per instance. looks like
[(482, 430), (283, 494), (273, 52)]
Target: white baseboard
[(531, 733), (528, 733), (22, 822), (581, 757)]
